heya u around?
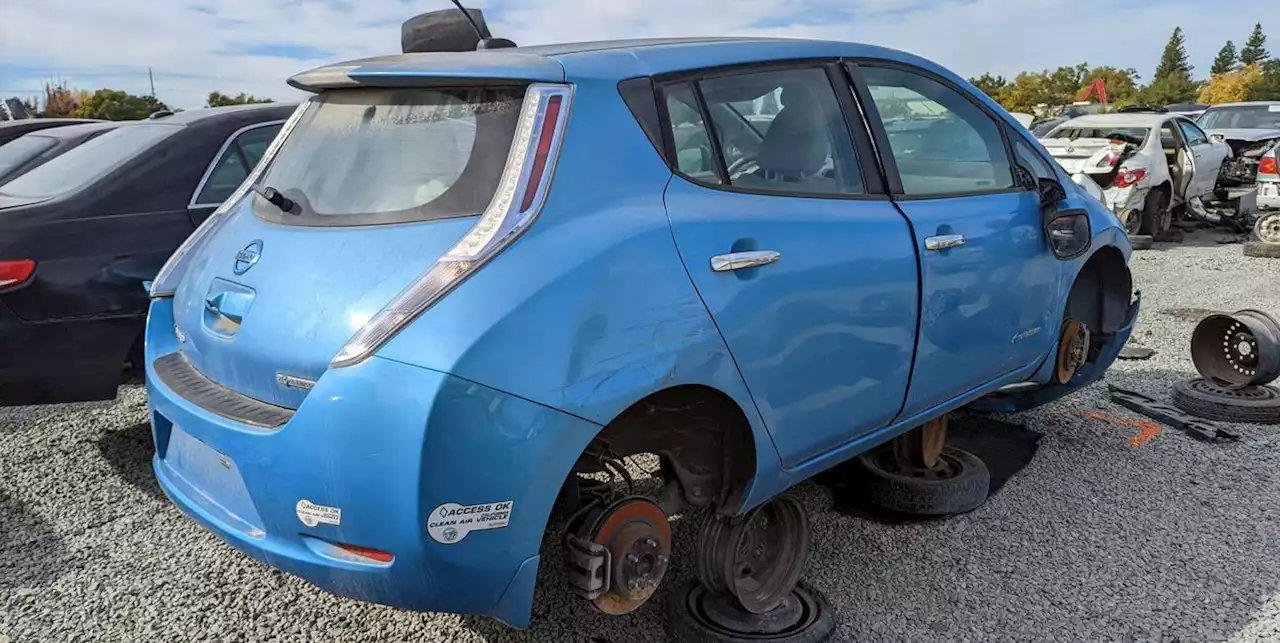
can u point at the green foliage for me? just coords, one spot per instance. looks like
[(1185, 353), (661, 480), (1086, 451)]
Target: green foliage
[(116, 105), (1173, 62), (1255, 48), (1226, 60), (1121, 84), (990, 85), (219, 99), (1174, 88), (1268, 87)]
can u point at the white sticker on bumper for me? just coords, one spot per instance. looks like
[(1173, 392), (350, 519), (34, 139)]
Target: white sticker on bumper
[(451, 522), (313, 515)]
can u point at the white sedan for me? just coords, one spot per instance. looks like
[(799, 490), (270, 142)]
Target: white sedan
[(1146, 164)]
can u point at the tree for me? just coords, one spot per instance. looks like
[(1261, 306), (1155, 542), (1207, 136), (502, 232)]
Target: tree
[(59, 102), (219, 99), (1255, 48), (1268, 87), (1121, 84), (1174, 59), (1232, 86), (990, 85), (116, 105), (1226, 61)]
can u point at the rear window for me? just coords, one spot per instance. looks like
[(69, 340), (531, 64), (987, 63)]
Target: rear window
[(22, 149), (1135, 135), (378, 156), (89, 162)]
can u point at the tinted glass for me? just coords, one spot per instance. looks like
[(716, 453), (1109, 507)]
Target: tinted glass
[(376, 156), (1194, 135), (229, 171), (22, 149), (1032, 160), (693, 153), (253, 143), (802, 148), (942, 141), (89, 162)]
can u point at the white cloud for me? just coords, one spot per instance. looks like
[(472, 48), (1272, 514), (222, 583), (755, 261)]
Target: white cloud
[(197, 46)]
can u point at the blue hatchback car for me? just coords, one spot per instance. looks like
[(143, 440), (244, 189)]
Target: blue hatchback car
[(461, 288)]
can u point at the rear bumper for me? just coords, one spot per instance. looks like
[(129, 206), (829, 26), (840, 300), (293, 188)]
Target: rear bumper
[(63, 361), (387, 444)]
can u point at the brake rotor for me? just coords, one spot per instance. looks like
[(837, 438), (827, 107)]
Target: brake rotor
[(1267, 228), (1073, 350), (637, 535)]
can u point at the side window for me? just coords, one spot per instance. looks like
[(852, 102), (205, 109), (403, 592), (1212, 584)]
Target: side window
[(693, 152), (776, 131), (233, 166), (1195, 135), (1033, 161), (942, 142)]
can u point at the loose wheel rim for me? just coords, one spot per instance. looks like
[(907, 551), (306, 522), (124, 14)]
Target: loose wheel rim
[(1267, 228), (769, 554), (1239, 350), (1133, 222), (798, 611)]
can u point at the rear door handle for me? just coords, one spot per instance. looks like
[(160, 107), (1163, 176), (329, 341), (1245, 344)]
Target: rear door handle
[(740, 260), (944, 241)]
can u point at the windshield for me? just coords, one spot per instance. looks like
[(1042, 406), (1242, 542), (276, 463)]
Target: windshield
[(22, 149), (1244, 117), (376, 156), (1135, 135), (87, 163)]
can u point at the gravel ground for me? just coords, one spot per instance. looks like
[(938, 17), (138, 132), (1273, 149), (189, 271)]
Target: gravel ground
[(1097, 539)]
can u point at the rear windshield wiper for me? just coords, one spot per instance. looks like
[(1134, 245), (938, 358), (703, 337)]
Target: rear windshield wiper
[(273, 196)]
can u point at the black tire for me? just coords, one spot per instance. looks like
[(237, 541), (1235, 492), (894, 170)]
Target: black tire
[(685, 625), (444, 30), (1141, 241), (1251, 405), (1156, 215), (1261, 249), (965, 491)]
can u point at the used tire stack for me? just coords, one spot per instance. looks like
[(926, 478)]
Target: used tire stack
[(1267, 231), (1238, 356)]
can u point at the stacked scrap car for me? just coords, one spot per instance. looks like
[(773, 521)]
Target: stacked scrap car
[(1148, 165)]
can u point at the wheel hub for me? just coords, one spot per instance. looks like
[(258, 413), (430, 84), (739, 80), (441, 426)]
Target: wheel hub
[(637, 536), (795, 613), (1267, 229), (1073, 350)]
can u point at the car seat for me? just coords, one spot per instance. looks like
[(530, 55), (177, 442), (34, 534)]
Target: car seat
[(796, 147)]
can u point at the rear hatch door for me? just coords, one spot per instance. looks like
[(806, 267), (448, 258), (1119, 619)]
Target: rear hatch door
[(382, 182)]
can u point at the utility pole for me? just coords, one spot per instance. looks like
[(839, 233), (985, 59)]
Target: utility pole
[(153, 82)]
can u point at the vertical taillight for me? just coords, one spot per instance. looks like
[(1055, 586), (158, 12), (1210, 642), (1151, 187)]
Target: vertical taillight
[(13, 273), (1268, 165), (166, 282), (526, 180)]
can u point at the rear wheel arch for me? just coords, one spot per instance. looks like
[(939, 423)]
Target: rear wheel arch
[(701, 435)]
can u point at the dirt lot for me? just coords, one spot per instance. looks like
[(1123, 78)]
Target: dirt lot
[(1108, 534)]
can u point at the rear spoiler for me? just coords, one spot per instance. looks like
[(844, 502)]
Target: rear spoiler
[(437, 68)]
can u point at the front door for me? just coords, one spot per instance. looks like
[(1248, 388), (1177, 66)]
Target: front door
[(988, 279), (1204, 155), (811, 280)]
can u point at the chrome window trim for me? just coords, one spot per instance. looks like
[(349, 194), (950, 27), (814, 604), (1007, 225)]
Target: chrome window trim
[(208, 171)]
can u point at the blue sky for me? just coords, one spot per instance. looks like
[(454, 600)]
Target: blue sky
[(198, 46)]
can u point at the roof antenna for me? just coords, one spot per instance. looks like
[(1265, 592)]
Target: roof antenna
[(484, 41)]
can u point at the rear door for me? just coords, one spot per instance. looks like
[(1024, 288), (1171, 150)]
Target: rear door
[(229, 168), (806, 266), (988, 278)]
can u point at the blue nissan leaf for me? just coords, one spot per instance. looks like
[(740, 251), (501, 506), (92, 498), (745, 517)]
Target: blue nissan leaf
[(462, 289)]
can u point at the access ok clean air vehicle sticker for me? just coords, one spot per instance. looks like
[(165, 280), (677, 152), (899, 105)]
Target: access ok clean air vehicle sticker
[(451, 522)]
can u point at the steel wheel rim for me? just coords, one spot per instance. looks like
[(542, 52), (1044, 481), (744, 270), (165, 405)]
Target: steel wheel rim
[(1267, 228)]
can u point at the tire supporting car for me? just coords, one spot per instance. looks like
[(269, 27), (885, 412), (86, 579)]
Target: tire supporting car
[(1141, 241), (697, 615), (1249, 405), (1261, 249), (917, 474)]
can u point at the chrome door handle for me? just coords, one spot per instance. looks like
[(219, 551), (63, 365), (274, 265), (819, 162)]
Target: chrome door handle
[(944, 241), (740, 260)]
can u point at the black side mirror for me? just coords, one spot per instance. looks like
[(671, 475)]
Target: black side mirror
[(1069, 233), (1051, 192)]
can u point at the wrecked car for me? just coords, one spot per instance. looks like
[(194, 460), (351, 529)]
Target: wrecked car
[(1148, 165), (1252, 130), (342, 367)]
